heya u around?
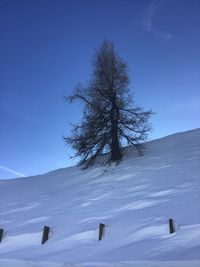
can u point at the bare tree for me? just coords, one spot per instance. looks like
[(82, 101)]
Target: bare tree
[(110, 119)]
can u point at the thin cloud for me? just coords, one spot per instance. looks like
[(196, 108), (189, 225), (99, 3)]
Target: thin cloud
[(148, 24), (12, 171)]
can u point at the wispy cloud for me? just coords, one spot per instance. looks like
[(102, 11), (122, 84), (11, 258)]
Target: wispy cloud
[(12, 171), (148, 22)]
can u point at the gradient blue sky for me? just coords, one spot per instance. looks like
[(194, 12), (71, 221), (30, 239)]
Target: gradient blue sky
[(46, 47)]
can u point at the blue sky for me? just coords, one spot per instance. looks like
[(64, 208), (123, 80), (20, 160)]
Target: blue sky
[(46, 48)]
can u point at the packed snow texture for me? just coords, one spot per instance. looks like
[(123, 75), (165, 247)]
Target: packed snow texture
[(134, 200)]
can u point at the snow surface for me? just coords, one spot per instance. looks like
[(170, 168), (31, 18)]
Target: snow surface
[(134, 200)]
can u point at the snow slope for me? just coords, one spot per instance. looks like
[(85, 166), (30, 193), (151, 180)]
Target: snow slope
[(134, 200)]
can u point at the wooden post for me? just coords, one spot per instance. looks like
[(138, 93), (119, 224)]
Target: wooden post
[(1, 234), (101, 230), (45, 236), (171, 226)]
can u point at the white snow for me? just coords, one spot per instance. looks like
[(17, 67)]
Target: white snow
[(134, 200)]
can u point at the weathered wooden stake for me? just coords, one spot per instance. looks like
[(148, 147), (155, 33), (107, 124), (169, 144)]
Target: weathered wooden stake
[(1, 234), (45, 236), (101, 230), (171, 226)]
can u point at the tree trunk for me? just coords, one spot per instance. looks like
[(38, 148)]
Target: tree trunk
[(115, 147)]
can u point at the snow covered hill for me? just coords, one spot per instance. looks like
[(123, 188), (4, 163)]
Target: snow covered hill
[(134, 200)]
